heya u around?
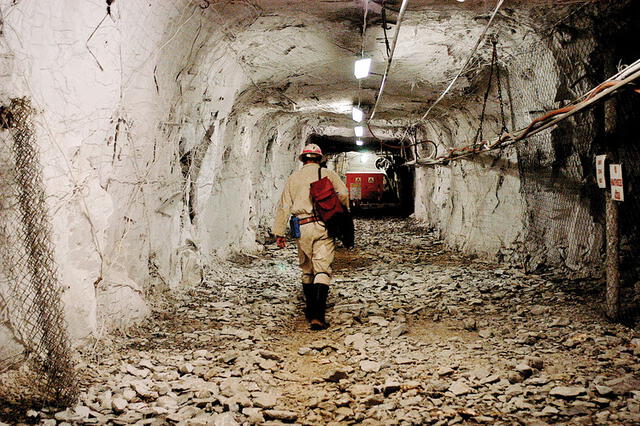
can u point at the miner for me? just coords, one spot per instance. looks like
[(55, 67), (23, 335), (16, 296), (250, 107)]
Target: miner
[(315, 246)]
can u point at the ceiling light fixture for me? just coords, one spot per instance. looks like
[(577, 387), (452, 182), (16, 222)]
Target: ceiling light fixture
[(359, 142), (361, 69), (359, 130), (357, 114)]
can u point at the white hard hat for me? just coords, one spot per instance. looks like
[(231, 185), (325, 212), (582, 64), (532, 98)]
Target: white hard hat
[(310, 149)]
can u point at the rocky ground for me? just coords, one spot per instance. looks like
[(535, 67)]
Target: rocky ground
[(418, 335)]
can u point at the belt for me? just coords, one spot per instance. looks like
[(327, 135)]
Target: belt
[(309, 220)]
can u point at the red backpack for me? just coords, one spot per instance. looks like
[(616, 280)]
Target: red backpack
[(325, 199)]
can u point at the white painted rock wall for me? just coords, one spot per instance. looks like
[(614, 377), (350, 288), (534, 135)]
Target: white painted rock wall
[(112, 131), (477, 204)]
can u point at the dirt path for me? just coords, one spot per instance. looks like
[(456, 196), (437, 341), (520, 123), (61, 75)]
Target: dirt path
[(418, 335)]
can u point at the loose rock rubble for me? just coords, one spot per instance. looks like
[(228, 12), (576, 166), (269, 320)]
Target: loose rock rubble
[(418, 335)]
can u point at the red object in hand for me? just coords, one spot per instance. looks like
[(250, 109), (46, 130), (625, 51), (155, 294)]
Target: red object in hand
[(281, 242)]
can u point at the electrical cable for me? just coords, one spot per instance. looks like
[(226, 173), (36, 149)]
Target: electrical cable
[(548, 30), (384, 30), (468, 61), (380, 140), (403, 9), (544, 122), (364, 26)]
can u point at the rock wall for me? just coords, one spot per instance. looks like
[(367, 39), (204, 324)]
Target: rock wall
[(537, 203), (492, 204), (156, 156), (475, 205)]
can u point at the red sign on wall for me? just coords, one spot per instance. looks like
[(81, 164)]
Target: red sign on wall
[(617, 185)]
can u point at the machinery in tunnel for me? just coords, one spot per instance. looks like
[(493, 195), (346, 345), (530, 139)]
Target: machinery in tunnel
[(377, 178)]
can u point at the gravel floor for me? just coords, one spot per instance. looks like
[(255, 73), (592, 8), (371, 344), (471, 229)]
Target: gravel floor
[(418, 335)]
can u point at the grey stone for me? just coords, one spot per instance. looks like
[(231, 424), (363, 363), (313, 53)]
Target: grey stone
[(186, 368), (143, 390), (65, 416), (568, 391), (336, 375), (370, 366), (229, 357), (129, 394), (224, 419), (105, 399), (535, 362), (254, 415), (445, 371), (138, 372), (361, 390), (485, 334), (459, 388), (167, 402), (267, 364), (119, 404), (515, 377), (372, 400), (470, 324), (604, 390), (264, 400), (304, 350), (390, 387), (398, 330), (524, 370), (284, 415), (270, 355)]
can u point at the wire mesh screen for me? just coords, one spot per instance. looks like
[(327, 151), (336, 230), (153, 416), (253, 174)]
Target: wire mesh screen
[(566, 63), (30, 291), (557, 167)]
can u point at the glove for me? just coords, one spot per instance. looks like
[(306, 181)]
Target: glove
[(281, 242)]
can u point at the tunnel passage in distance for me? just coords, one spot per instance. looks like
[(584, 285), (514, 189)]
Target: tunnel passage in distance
[(378, 181)]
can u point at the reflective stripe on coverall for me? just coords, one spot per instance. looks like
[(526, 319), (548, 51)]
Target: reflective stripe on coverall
[(315, 247)]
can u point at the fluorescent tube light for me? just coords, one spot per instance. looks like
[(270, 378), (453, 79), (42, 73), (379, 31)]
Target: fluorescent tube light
[(357, 114), (362, 67)]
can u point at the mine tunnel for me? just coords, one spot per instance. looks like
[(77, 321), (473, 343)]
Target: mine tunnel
[(485, 152)]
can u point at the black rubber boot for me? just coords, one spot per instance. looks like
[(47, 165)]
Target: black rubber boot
[(310, 299), (318, 322)]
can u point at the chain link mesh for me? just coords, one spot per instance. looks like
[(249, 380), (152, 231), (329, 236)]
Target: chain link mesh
[(31, 291), (557, 167), (565, 208), (571, 53)]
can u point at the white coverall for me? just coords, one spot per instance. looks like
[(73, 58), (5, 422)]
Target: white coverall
[(315, 247)]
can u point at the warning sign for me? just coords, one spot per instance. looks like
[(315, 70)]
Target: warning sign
[(602, 181), (617, 190)]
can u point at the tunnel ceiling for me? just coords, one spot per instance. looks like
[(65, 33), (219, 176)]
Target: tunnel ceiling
[(300, 54)]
